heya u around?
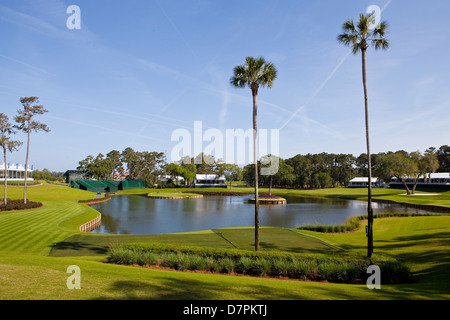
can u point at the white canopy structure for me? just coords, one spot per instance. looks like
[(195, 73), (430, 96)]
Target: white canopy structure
[(210, 181), (429, 180), (361, 182), (16, 172)]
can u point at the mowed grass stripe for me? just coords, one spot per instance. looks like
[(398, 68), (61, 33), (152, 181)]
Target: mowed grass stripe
[(33, 240), (31, 216), (25, 239), (44, 224), (29, 219), (12, 219), (36, 230), (12, 230)]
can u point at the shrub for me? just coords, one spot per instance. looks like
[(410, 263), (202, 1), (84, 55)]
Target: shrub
[(182, 262), (169, 260), (197, 263), (225, 265), (122, 255), (282, 267), (261, 267), (243, 265), (303, 269), (211, 265), (392, 272), (333, 268), (337, 272), (148, 259), (19, 205)]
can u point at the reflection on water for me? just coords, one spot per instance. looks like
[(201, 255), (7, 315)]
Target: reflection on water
[(141, 215)]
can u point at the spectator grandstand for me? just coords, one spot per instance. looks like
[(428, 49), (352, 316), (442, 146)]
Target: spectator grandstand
[(107, 185)]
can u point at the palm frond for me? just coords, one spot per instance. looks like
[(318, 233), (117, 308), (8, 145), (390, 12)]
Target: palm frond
[(350, 40), (268, 75), (364, 23), (349, 27), (356, 47), (357, 37), (381, 44), (255, 70), (239, 76), (347, 39), (380, 30)]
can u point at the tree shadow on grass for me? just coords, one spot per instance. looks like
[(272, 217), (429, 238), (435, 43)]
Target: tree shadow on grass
[(174, 288), (77, 248), (434, 256), (435, 240), (444, 236)]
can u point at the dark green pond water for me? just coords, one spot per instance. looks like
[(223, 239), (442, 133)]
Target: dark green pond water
[(141, 215)]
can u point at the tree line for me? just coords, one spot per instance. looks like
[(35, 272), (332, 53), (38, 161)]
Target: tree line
[(326, 170), (322, 170), (148, 166)]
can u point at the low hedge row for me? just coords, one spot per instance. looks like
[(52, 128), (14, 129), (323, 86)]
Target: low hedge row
[(353, 223), (19, 205), (332, 268)]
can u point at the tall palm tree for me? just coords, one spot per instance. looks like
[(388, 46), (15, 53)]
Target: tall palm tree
[(358, 38), (255, 73)]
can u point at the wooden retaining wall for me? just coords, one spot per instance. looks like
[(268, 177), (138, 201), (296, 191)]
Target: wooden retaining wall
[(95, 223), (91, 225), (269, 200)]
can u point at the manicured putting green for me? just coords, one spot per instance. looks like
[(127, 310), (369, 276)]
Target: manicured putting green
[(275, 239), (242, 238)]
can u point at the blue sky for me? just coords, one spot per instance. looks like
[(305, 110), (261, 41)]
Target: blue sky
[(138, 70)]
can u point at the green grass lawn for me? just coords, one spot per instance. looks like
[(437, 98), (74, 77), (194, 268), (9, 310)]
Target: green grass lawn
[(32, 267)]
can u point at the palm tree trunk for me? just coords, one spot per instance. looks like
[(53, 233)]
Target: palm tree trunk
[(369, 160), (255, 157)]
